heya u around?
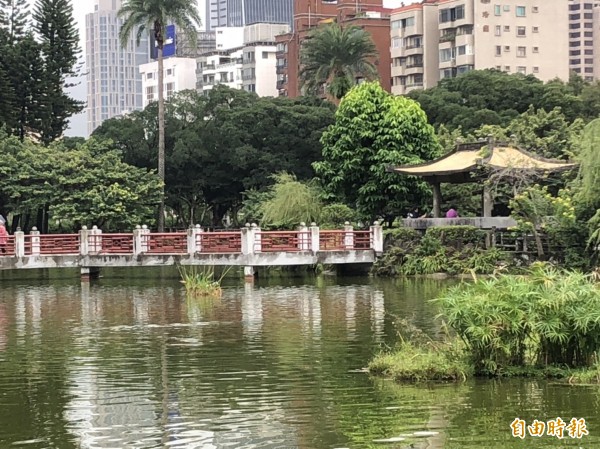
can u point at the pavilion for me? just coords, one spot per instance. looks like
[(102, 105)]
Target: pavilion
[(476, 162)]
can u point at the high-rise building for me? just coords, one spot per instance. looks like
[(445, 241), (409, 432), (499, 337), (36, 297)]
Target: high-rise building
[(439, 39), (238, 13), (369, 15), (114, 84), (584, 47)]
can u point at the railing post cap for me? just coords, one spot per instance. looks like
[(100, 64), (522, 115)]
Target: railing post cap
[(247, 225), (197, 226), (375, 223), (144, 227), (313, 224), (346, 223), (34, 228), (94, 227), (84, 228), (253, 225), (138, 227), (302, 223)]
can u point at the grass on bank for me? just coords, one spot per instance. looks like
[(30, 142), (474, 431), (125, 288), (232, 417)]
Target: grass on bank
[(544, 324)]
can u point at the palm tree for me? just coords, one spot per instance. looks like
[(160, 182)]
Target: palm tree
[(153, 16), (334, 57)]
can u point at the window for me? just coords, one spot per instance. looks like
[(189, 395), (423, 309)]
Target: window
[(521, 52), (396, 42), (521, 31), (535, 9), (535, 29), (169, 72), (589, 60), (520, 10), (506, 28), (507, 68), (498, 30), (265, 55), (150, 93), (486, 28), (522, 69), (506, 8), (507, 48), (149, 76), (498, 50), (452, 14), (497, 10)]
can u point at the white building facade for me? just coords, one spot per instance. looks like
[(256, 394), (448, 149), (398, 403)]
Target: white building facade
[(245, 59), (114, 84), (179, 74)]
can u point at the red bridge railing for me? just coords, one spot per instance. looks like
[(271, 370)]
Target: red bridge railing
[(110, 244), (8, 249), (282, 241), (145, 242), (344, 240), (165, 243), (219, 242)]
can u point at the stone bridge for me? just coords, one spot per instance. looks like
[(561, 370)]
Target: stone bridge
[(250, 247)]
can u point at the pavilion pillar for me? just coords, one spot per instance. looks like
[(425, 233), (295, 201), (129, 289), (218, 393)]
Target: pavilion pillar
[(488, 201), (437, 200)]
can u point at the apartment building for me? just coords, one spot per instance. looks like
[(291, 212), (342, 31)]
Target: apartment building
[(439, 39), (114, 85), (584, 50), (243, 60), (179, 74), (370, 15)]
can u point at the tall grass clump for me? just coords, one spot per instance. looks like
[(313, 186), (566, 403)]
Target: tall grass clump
[(201, 281), (545, 317)]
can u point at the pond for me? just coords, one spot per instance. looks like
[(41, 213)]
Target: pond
[(128, 362)]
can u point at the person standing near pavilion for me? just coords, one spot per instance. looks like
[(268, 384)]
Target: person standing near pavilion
[(3, 235)]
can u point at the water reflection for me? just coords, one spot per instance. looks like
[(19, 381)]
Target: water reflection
[(107, 365)]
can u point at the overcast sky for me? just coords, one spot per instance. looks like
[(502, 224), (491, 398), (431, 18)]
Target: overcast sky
[(78, 124)]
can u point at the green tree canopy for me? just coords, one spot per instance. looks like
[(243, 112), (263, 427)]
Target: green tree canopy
[(223, 144), (372, 130), (334, 57)]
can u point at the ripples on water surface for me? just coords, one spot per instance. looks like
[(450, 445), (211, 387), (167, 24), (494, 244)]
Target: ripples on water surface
[(122, 364)]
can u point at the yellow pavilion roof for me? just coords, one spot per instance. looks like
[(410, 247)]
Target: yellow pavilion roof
[(466, 158)]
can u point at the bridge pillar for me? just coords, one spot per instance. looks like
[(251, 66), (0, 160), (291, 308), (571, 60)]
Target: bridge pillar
[(348, 236), (95, 240), (250, 244), (35, 242), (194, 244), (89, 273), (314, 238), (84, 237), (19, 244), (377, 238), (303, 237)]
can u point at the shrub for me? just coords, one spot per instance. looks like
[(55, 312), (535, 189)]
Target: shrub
[(457, 236), (400, 237), (547, 317), (337, 214)]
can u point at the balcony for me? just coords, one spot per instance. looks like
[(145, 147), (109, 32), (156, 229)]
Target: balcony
[(448, 37), (281, 84), (414, 65), (281, 69)]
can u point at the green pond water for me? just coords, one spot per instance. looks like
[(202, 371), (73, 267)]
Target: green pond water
[(129, 362)]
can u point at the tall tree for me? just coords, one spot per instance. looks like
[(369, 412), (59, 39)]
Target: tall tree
[(14, 17), (372, 130), (140, 16), (57, 32), (334, 57)]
